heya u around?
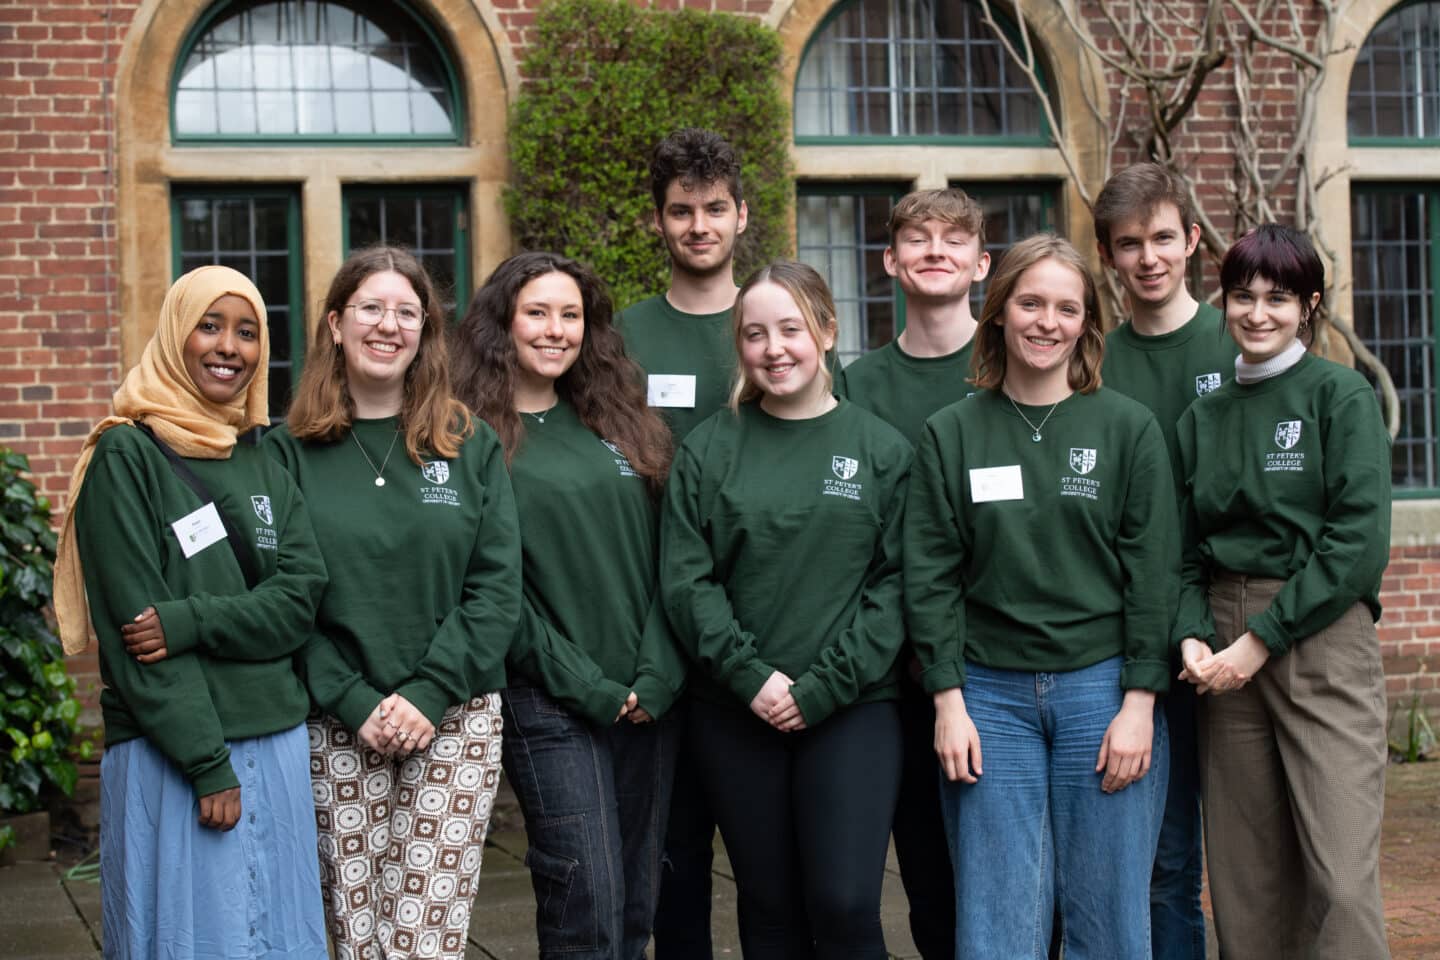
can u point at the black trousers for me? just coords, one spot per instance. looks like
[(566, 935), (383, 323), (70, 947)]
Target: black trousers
[(806, 821)]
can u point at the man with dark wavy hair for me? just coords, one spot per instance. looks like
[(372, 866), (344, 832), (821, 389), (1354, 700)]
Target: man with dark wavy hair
[(683, 341)]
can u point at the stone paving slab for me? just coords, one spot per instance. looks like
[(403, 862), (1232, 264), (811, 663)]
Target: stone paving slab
[(38, 920)]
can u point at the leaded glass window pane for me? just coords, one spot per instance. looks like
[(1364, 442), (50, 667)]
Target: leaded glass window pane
[(314, 69), (1395, 85), (922, 68), (1393, 236)]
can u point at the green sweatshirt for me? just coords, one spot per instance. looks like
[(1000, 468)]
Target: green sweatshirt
[(903, 390), (671, 345), (229, 671), (424, 590), (780, 550), (1286, 478), (591, 629), (1044, 557), (1167, 372)]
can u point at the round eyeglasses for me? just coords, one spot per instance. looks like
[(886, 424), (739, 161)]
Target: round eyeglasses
[(369, 313)]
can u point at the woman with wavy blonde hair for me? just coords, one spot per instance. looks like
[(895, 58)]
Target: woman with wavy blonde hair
[(411, 635)]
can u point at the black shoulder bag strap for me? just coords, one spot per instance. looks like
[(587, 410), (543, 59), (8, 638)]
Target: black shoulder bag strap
[(232, 536)]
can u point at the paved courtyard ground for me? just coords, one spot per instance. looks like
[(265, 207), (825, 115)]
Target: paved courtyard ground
[(43, 917)]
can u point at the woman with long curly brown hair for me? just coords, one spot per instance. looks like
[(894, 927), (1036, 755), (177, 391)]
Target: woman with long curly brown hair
[(593, 668), (410, 638)]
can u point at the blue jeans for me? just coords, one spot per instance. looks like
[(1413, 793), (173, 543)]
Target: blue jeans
[(595, 802), (1037, 827), (1177, 922)]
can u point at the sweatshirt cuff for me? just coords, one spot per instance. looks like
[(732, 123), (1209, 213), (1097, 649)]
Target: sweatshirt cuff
[(1276, 638), (815, 701), (182, 631), (1145, 675), (427, 697), (943, 676), (219, 777), (656, 696), (602, 702), (746, 681), (355, 706)]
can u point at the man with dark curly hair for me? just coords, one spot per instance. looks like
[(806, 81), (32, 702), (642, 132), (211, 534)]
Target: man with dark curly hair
[(684, 342)]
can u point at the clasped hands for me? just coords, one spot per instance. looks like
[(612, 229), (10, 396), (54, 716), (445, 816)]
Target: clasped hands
[(1226, 671), (776, 705), (396, 728)]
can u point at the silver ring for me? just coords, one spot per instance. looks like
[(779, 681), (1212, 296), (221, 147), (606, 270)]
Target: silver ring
[(402, 736)]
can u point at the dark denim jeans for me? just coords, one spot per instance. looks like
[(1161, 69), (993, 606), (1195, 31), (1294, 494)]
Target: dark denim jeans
[(595, 802), (1177, 922), (1037, 829)]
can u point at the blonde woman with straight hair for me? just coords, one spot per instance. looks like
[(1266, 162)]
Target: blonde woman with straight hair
[(1041, 571), (408, 653), (780, 571)]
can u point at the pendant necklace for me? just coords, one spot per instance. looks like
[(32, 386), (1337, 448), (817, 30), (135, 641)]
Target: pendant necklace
[(540, 417), (379, 480), (1035, 436)]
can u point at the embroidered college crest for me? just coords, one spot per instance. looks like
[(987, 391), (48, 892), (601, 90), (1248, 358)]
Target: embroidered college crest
[(1082, 460), (1287, 434), (844, 467), (613, 449), (261, 505), (436, 471), (1206, 382)]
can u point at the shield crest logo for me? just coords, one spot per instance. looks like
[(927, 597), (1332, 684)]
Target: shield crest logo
[(844, 467), (613, 449), (436, 471), (1082, 460), (1206, 382), (261, 505), (1287, 434)]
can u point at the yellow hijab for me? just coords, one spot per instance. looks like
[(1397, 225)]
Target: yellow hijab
[(159, 391)]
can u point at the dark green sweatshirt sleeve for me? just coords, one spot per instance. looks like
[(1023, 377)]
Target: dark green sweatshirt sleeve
[(864, 652), (1193, 617), (1148, 547), (660, 669), (1353, 546), (695, 601), (934, 560), (169, 699), (467, 653), (568, 674), (273, 619)]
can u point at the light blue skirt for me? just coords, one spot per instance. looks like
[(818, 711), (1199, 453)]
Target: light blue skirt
[(173, 889)]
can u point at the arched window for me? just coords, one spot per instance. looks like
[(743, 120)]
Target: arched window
[(890, 93), (912, 68), (1394, 102), (327, 70)]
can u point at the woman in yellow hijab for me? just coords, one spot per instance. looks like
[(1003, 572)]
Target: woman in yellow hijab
[(192, 559)]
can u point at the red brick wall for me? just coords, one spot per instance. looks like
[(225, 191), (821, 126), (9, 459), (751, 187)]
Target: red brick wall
[(1410, 626)]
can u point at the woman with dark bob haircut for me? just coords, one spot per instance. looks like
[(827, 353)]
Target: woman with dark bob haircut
[(1286, 472), (593, 667), (413, 512), (1041, 562)]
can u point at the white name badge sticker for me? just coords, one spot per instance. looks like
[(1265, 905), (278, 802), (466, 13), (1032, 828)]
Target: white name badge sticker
[(671, 390), (996, 483), (198, 530)]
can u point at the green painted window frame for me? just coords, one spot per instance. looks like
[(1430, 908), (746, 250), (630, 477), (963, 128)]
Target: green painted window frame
[(1049, 193), (295, 264), (388, 140), (457, 193), (1431, 192), (1045, 138), (1391, 142)]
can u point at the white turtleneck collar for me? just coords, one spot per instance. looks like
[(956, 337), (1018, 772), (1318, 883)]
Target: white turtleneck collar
[(1265, 369)]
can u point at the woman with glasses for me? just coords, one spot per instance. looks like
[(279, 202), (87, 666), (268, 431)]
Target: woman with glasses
[(413, 512)]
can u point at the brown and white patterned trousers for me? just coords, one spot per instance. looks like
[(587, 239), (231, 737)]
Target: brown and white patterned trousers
[(401, 839)]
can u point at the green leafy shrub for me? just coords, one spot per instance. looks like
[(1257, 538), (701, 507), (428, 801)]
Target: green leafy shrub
[(606, 81), (39, 715)]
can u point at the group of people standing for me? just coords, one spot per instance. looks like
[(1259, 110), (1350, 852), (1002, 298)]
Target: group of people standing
[(672, 569)]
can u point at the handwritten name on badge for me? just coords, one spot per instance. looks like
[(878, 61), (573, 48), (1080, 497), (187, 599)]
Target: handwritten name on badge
[(988, 484), (670, 390), (198, 530)]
